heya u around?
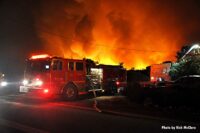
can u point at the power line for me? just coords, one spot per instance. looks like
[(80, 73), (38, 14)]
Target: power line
[(138, 50)]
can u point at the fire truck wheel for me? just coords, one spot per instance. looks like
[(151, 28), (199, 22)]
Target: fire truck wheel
[(70, 92)]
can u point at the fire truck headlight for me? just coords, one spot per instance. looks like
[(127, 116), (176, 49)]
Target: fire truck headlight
[(45, 90), (4, 83), (38, 83), (25, 82)]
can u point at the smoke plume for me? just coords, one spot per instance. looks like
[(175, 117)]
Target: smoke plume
[(136, 32)]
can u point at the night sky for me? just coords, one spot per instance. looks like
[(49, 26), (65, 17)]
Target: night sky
[(19, 36)]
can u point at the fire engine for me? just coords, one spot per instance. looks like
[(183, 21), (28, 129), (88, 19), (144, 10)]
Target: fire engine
[(50, 75)]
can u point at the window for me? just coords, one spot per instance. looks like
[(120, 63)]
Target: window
[(38, 65), (79, 66), (60, 65), (57, 65), (71, 66)]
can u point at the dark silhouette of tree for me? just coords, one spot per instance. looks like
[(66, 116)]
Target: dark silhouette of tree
[(191, 66), (182, 52)]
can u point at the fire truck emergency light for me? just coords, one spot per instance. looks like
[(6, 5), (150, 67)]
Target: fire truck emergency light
[(38, 82), (152, 78), (40, 56)]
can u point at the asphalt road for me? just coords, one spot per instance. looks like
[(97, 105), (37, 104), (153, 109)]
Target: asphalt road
[(20, 113)]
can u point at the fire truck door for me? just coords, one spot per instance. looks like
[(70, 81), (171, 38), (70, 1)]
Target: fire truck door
[(57, 73), (71, 72), (80, 73), (76, 73)]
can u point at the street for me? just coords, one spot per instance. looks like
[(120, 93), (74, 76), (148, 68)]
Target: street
[(23, 113)]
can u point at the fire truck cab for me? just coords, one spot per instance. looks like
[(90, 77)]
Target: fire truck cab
[(49, 76)]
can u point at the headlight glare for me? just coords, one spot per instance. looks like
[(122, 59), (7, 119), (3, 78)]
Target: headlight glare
[(4, 83), (25, 82)]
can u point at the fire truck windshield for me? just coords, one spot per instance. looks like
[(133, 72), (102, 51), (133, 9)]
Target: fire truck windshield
[(38, 66)]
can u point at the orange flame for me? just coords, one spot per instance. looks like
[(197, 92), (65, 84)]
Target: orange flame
[(110, 32)]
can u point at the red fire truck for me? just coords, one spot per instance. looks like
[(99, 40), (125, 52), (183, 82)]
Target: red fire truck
[(50, 75)]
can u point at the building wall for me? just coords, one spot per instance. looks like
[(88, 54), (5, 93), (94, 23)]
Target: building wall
[(160, 71)]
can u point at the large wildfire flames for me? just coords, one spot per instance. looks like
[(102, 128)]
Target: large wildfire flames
[(135, 32)]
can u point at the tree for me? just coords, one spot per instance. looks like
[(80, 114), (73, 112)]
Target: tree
[(191, 66), (182, 52)]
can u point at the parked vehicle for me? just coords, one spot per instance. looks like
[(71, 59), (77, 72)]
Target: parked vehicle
[(184, 91)]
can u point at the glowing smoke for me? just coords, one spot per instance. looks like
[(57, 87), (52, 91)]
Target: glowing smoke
[(135, 32)]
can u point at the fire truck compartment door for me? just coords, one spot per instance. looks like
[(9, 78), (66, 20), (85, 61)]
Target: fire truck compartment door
[(96, 77)]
